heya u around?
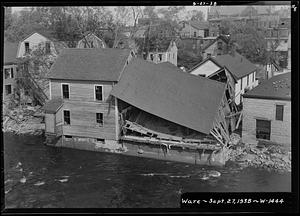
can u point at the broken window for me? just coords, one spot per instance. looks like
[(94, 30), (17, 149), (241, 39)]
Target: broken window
[(65, 91), (99, 119), (279, 112), (47, 47), (26, 47), (98, 93), (263, 129), (67, 119), (8, 89)]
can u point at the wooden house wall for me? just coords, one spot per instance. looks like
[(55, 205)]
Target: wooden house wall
[(266, 110), (83, 109)]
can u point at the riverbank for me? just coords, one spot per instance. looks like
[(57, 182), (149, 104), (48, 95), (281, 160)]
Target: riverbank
[(266, 155), (23, 119)]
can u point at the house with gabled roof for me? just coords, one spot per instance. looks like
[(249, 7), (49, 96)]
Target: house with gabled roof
[(242, 71), (164, 54), (194, 28), (107, 100), (91, 40), (37, 40), (80, 104), (217, 46), (267, 111)]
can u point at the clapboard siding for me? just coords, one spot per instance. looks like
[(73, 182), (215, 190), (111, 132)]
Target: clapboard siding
[(83, 119), (266, 110), (80, 90)]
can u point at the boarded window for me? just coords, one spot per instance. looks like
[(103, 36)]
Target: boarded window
[(8, 89), (99, 119), (47, 48), (26, 47), (67, 119), (98, 93), (279, 112), (65, 91), (263, 129)]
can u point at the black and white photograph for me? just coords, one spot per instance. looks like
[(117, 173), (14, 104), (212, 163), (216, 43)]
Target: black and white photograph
[(121, 106)]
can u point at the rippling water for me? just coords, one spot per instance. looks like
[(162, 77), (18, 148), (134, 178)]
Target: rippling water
[(39, 176)]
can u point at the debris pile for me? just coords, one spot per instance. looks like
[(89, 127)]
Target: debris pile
[(23, 120), (263, 155)]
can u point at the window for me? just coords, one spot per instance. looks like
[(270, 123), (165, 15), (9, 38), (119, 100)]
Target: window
[(47, 48), (220, 45), (173, 55), (98, 93), (195, 34), (65, 91), (100, 140), (160, 57), (8, 89), (253, 77), (202, 75), (7, 73), (99, 119), (68, 137), (248, 80), (263, 129), (241, 84), (151, 57), (279, 112), (208, 55), (67, 119), (26, 47), (12, 73)]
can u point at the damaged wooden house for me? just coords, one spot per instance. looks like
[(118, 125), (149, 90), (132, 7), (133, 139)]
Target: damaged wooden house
[(106, 100)]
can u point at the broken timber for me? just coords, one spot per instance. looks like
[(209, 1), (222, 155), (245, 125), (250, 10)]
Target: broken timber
[(153, 137)]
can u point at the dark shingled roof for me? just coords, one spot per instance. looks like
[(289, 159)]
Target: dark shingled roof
[(53, 105), (278, 87), (10, 52), (89, 64), (171, 94)]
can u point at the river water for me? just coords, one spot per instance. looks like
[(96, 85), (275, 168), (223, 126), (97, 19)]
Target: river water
[(39, 176)]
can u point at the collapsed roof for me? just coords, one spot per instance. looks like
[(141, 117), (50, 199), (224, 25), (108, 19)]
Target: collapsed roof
[(171, 94)]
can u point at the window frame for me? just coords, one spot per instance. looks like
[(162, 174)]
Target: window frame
[(256, 129), (102, 95), (63, 113), (277, 112), (62, 90), (25, 43), (99, 124), (6, 92)]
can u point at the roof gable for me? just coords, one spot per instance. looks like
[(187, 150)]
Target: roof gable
[(165, 91), (89, 64), (238, 65)]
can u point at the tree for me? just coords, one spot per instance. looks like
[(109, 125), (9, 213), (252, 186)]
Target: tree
[(149, 12), (171, 13), (194, 15)]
